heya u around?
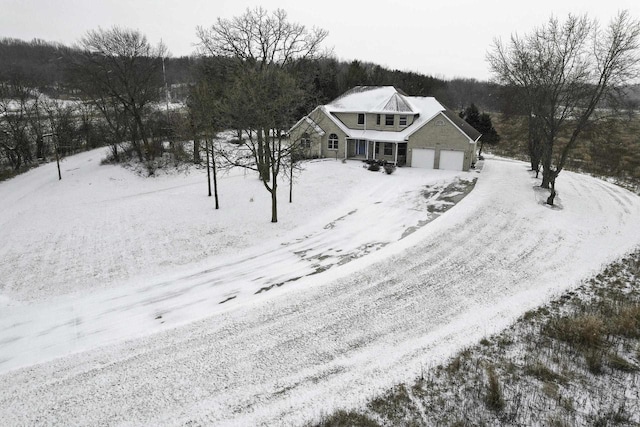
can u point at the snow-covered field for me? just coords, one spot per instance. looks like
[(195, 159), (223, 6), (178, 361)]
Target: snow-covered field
[(126, 300), (103, 225)]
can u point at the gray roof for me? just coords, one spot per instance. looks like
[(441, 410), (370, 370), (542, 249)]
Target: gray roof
[(397, 103), (465, 127)]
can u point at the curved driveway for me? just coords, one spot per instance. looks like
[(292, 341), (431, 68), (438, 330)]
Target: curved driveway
[(337, 338)]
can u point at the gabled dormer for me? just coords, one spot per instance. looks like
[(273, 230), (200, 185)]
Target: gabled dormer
[(373, 108)]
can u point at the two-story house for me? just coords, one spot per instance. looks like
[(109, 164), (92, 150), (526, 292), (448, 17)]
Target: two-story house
[(384, 123)]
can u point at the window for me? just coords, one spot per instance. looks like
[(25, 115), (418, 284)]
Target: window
[(360, 119), (388, 119), (439, 122), (305, 141), (333, 142), (403, 120), (388, 148), (378, 119)]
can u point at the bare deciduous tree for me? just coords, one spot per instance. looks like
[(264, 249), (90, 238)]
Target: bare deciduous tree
[(17, 101), (263, 105), (203, 117), (62, 123), (264, 98), (260, 39), (570, 76), (122, 72)]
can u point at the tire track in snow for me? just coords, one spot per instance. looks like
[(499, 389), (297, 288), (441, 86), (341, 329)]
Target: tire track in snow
[(294, 354), (133, 312)]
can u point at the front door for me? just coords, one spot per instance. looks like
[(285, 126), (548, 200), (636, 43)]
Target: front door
[(361, 147)]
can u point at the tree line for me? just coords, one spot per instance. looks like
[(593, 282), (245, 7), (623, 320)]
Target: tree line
[(34, 74), (45, 65), (258, 73)]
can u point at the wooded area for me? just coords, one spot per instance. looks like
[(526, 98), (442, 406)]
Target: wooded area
[(52, 89), (115, 88)]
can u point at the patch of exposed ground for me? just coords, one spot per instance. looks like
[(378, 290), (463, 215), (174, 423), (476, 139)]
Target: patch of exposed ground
[(437, 199), (441, 199)]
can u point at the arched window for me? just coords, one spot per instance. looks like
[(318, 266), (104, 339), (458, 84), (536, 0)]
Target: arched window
[(333, 142), (305, 141)]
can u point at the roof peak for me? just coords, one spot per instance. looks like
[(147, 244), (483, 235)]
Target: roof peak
[(397, 103), (380, 99)]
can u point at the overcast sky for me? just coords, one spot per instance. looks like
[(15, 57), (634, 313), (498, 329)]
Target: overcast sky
[(440, 38)]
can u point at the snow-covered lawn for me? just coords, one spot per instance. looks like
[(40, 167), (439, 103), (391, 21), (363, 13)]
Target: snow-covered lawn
[(102, 225), (105, 256)]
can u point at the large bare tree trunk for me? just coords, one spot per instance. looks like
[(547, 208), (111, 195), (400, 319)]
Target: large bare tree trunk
[(136, 144), (274, 203), (215, 175), (263, 156), (534, 145), (196, 142), (114, 150), (291, 178), (547, 172), (480, 151), (148, 149), (552, 195), (196, 152), (206, 147)]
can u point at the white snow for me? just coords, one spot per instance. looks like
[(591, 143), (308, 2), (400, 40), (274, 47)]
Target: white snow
[(113, 284), (368, 99)]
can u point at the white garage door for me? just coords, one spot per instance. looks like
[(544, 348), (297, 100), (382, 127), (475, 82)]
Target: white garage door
[(451, 160), (422, 158)]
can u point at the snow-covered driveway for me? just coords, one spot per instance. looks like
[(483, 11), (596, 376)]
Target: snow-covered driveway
[(333, 339)]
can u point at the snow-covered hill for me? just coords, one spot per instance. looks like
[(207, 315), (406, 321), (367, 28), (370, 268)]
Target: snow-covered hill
[(339, 333)]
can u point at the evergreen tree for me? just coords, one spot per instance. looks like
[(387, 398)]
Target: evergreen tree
[(356, 75), (482, 123), (471, 115), (489, 134)]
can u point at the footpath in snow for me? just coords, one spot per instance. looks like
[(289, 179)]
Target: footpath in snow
[(327, 340)]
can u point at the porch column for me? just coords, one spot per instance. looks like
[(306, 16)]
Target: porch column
[(396, 161), (366, 150), (374, 150), (346, 145)]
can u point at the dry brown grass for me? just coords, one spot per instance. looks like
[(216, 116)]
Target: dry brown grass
[(582, 347), (585, 330)]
